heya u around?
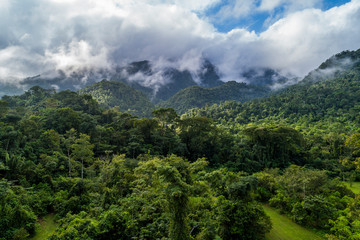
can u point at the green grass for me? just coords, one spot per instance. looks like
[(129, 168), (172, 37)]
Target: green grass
[(355, 187), (46, 227), (285, 229)]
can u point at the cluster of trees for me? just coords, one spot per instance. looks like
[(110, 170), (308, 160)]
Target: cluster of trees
[(312, 199), (60, 152), (111, 94), (197, 96), (107, 174), (324, 112), (155, 197)]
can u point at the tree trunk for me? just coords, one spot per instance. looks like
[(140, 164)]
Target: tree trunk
[(69, 164), (82, 168)]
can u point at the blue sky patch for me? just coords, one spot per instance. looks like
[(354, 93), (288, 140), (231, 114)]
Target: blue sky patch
[(256, 20)]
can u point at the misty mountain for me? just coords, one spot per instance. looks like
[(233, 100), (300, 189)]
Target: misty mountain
[(267, 77), (58, 80), (117, 94), (161, 84), (157, 82), (318, 98), (197, 96), (10, 89), (335, 66)]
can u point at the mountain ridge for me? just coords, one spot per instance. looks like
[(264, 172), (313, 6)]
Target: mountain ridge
[(198, 96), (111, 94)]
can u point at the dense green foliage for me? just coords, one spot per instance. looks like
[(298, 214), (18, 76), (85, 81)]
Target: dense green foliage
[(334, 100), (117, 94), (61, 154), (107, 174), (197, 96), (314, 124), (325, 112)]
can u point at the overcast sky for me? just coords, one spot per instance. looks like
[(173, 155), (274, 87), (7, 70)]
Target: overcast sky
[(293, 36)]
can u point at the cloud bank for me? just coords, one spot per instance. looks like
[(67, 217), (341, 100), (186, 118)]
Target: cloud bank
[(43, 36)]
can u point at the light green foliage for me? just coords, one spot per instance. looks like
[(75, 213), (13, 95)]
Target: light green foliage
[(16, 216), (310, 197), (110, 94), (347, 225), (196, 96), (77, 227), (176, 178), (82, 151), (267, 184)]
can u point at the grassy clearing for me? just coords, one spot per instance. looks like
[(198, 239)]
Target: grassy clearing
[(355, 187), (46, 227), (285, 229)]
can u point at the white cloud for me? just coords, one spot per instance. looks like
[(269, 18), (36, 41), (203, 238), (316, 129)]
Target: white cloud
[(269, 5), (198, 5), (76, 55), (17, 63), (302, 40), (289, 5), (42, 35), (236, 9)]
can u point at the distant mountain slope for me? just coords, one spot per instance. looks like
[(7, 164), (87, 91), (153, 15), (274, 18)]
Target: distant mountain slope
[(158, 82), (161, 84), (266, 77), (334, 98), (334, 66), (110, 94), (197, 96)]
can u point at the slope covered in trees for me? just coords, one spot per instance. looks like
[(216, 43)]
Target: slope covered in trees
[(334, 99), (110, 175), (116, 94), (107, 174), (197, 96), (324, 112), (159, 84)]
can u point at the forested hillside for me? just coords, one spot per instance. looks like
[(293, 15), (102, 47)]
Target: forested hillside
[(161, 84), (197, 96), (335, 99), (116, 94), (107, 174)]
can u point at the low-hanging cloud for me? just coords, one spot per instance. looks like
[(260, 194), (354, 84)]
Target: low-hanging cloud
[(44, 36)]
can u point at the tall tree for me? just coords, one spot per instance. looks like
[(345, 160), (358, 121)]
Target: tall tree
[(82, 151), (177, 191), (3, 108), (68, 141)]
